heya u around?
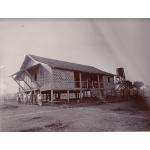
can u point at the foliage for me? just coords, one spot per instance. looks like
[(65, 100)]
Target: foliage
[(128, 84), (138, 84)]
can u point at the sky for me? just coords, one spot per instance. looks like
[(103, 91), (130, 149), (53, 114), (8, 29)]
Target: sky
[(102, 43)]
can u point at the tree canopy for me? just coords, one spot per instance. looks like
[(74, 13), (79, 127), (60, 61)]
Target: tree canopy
[(138, 84)]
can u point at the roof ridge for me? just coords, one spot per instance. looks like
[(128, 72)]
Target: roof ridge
[(63, 61), (67, 65)]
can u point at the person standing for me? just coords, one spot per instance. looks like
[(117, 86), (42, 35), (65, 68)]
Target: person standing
[(18, 98), (39, 99), (34, 98), (29, 98)]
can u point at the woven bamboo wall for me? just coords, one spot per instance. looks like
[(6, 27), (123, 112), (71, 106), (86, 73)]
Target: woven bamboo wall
[(63, 79), (55, 79), (45, 78)]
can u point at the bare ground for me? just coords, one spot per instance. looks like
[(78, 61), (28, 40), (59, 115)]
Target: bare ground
[(120, 116)]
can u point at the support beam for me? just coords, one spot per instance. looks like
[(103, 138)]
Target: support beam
[(32, 78), (26, 83), (18, 83)]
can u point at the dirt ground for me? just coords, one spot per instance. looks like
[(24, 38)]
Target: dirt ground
[(120, 116)]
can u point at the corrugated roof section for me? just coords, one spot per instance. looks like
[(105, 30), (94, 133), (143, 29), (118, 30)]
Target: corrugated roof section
[(68, 66)]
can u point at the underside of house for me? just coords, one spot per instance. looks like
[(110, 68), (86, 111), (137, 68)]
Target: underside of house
[(59, 80)]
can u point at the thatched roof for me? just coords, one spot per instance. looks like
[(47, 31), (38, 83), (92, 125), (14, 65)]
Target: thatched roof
[(57, 64), (68, 65)]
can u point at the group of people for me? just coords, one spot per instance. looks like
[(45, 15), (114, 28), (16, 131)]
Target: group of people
[(29, 98)]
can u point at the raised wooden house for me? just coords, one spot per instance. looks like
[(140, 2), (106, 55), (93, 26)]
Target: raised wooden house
[(62, 80)]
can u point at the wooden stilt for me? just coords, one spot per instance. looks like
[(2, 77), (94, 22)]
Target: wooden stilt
[(52, 96), (80, 78), (81, 95)]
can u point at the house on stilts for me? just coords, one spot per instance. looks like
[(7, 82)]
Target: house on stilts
[(59, 80)]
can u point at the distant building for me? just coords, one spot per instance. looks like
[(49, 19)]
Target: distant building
[(58, 80)]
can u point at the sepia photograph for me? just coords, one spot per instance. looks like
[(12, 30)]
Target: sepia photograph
[(74, 75)]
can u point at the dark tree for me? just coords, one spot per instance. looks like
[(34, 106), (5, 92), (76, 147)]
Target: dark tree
[(128, 84)]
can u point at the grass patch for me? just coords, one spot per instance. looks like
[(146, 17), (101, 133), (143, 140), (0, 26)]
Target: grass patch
[(57, 126)]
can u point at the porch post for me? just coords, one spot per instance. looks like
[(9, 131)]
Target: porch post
[(98, 81), (100, 94), (80, 78), (87, 84), (52, 96)]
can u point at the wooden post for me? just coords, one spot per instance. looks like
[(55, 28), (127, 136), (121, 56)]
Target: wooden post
[(87, 84), (92, 84), (99, 87), (98, 81), (68, 96), (52, 96), (80, 78)]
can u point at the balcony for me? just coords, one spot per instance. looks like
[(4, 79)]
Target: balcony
[(76, 84)]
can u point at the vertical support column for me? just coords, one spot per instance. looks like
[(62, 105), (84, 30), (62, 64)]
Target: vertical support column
[(68, 96), (92, 84), (98, 81), (87, 84), (52, 96), (80, 78)]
